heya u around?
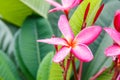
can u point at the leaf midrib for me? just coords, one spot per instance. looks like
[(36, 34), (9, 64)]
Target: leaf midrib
[(37, 44)]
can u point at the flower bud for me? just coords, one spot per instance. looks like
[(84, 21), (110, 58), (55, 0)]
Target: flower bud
[(117, 20)]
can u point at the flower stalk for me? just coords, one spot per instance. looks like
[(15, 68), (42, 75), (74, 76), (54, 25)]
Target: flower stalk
[(98, 74), (74, 68), (80, 70)]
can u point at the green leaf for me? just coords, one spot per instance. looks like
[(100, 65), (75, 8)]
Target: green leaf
[(106, 1), (14, 11), (5, 36), (55, 72), (44, 68), (7, 68), (59, 75), (1, 78), (39, 6), (18, 58), (108, 11), (77, 18), (31, 51), (101, 43), (47, 69), (106, 75), (53, 19)]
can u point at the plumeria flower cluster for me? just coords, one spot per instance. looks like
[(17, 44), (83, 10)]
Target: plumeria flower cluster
[(114, 50), (71, 45)]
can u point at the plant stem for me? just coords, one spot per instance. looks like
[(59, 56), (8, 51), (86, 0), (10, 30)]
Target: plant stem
[(62, 65), (65, 76), (74, 68), (115, 76), (98, 74), (80, 70), (67, 14), (66, 68)]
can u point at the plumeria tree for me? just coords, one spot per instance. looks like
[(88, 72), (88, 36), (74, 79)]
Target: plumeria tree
[(60, 40)]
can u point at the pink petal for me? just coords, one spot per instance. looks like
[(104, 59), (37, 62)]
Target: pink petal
[(55, 41), (53, 3), (56, 9), (64, 51), (118, 77), (68, 3), (88, 35), (82, 52), (113, 34), (112, 50), (117, 20), (65, 28)]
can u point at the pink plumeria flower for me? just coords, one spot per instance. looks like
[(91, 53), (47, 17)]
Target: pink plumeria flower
[(117, 20), (74, 45), (66, 5), (113, 50)]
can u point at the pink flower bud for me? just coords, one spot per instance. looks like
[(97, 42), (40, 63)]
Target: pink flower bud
[(117, 20)]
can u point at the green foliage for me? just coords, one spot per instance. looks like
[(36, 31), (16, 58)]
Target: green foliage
[(5, 36), (39, 6), (31, 51), (109, 10), (107, 75), (19, 60), (14, 11), (76, 20), (7, 68), (55, 72), (49, 70), (44, 68), (1, 78), (53, 19), (106, 1)]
